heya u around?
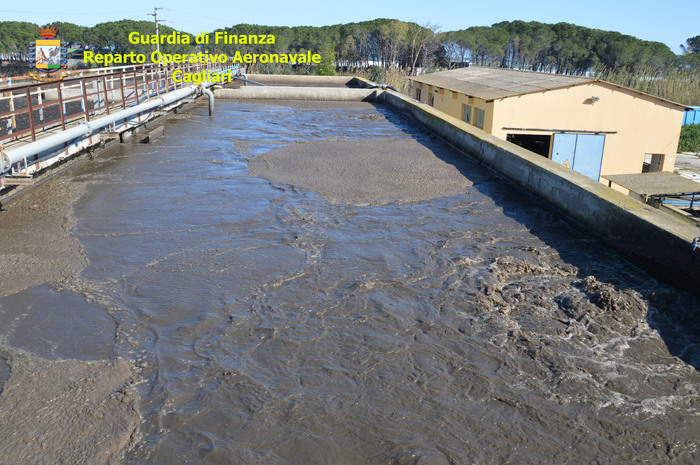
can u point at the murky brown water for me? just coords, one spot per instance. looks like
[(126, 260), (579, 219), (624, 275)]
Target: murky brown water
[(445, 319)]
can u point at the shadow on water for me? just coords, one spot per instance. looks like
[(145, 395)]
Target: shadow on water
[(4, 371), (672, 312)]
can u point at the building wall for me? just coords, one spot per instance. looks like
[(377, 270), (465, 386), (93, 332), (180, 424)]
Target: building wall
[(643, 124), (453, 103)]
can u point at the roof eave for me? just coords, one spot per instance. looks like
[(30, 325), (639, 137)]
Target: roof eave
[(587, 81)]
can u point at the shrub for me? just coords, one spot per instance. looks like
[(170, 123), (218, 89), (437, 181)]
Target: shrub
[(690, 138), (376, 74)]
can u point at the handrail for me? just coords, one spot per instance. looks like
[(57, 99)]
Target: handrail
[(27, 109), (111, 98)]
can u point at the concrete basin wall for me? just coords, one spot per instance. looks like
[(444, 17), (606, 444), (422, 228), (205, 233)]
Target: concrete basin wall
[(290, 80), (656, 241), (300, 93)]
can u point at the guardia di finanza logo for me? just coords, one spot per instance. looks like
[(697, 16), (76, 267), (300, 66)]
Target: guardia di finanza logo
[(48, 55)]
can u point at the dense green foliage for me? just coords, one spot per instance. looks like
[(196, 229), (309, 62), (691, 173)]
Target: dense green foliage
[(15, 37), (692, 45), (690, 139), (327, 65), (384, 42), (114, 36), (562, 48), (401, 48), (691, 57)]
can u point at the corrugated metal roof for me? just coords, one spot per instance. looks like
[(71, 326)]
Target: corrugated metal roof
[(494, 83)]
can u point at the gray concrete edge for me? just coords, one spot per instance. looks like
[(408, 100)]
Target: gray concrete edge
[(299, 93), (301, 79), (652, 239)]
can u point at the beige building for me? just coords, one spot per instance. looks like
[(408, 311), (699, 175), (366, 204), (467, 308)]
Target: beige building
[(591, 126)]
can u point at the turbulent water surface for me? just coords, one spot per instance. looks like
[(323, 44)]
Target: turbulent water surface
[(290, 283)]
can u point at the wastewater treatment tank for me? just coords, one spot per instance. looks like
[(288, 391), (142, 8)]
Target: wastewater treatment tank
[(322, 282)]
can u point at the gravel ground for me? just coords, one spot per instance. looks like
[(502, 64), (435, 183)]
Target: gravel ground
[(688, 166)]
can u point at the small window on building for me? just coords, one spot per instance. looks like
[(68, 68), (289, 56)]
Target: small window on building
[(432, 99), (480, 115), (467, 114), (652, 162), (418, 94)]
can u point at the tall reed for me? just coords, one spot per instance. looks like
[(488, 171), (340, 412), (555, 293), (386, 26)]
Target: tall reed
[(396, 78), (681, 85)]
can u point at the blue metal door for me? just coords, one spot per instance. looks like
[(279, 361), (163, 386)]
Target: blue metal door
[(589, 154), (580, 152), (564, 149)]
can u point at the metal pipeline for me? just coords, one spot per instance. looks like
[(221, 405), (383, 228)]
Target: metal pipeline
[(204, 88), (246, 80), (12, 156), (211, 100)]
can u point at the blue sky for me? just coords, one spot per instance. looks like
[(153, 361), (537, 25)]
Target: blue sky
[(670, 22)]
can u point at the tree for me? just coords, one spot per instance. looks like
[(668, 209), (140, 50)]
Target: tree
[(72, 34), (562, 48), (421, 45), (691, 53), (692, 45), (327, 65), (16, 36)]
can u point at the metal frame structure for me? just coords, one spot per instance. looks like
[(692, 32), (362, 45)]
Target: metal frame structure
[(27, 110), (79, 109)]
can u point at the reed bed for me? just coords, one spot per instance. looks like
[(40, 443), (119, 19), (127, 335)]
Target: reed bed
[(396, 78), (681, 85)]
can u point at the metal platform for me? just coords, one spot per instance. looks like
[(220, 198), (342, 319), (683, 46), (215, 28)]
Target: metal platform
[(664, 190), (659, 184)]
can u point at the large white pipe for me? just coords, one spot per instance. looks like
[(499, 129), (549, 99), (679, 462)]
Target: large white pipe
[(12, 156), (210, 95)]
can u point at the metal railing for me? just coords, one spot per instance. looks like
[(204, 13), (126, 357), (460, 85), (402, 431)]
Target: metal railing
[(29, 109)]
